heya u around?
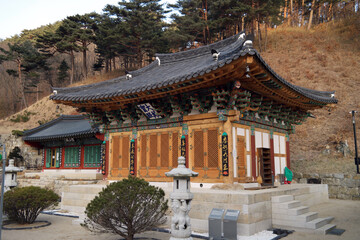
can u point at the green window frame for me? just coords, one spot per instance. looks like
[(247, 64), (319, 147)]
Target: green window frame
[(72, 157), (92, 156), (48, 158)]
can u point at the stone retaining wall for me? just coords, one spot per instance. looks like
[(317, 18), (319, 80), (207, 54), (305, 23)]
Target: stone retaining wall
[(55, 184), (341, 186)]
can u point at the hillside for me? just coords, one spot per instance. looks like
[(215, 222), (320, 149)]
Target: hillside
[(326, 58)]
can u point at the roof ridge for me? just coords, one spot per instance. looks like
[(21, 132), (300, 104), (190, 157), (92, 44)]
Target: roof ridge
[(52, 122), (179, 56)]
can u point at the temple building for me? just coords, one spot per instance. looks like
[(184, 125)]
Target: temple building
[(70, 146), (220, 106)]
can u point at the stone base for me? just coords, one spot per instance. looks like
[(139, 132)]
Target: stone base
[(174, 238), (254, 205)]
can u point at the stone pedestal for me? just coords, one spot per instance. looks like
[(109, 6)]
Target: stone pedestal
[(181, 201), (11, 175)]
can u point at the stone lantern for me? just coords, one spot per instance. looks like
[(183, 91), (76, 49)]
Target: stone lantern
[(11, 175), (181, 201)]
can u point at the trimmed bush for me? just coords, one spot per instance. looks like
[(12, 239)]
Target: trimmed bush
[(127, 207), (24, 205)]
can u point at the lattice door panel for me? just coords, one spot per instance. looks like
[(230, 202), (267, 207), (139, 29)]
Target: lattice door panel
[(241, 156), (158, 152), (120, 152), (205, 150)]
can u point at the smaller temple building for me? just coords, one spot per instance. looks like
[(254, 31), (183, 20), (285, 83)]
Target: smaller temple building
[(69, 145)]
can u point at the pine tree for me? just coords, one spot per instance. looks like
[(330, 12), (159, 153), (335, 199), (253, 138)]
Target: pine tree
[(63, 74), (140, 22), (28, 61)]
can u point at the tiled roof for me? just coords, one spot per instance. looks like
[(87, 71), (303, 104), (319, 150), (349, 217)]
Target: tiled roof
[(62, 127), (172, 68)]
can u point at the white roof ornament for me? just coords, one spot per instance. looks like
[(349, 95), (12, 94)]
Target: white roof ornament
[(128, 75), (158, 59), (332, 95), (248, 44), (54, 92), (215, 54), (242, 36)]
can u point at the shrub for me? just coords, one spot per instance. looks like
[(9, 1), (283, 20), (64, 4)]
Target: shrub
[(127, 207), (24, 205), (17, 133)]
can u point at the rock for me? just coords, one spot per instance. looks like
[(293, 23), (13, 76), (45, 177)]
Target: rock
[(338, 175), (343, 148)]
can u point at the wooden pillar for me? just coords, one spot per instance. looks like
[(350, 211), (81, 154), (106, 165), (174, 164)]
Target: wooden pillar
[(228, 130), (253, 152), (287, 151), (135, 158), (82, 156), (107, 157), (272, 156)]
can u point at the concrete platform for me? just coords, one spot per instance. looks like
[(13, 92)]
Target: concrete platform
[(254, 205)]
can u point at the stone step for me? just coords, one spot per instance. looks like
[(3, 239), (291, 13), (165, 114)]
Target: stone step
[(325, 229), (79, 196), (297, 219), (87, 189), (307, 217), (286, 205), (282, 198), (318, 222), (292, 211)]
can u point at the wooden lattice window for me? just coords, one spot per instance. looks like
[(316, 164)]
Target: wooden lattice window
[(199, 148), (175, 149), (153, 150), (125, 156), (143, 149), (206, 150), (72, 157), (213, 149), (92, 156), (115, 151), (164, 155)]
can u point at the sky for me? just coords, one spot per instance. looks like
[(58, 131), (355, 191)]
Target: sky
[(17, 15)]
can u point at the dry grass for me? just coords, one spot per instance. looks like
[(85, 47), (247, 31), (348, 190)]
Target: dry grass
[(323, 60), (45, 110)]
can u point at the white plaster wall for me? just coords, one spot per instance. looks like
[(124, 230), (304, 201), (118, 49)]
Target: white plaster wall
[(282, 145), (283, 164), (276, 144), (248, 165), (248, 144), (234, 151), (277, 165), (266, 140), (258, 140)]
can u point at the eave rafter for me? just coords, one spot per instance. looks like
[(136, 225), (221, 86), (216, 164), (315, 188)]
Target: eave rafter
[(260, 80)]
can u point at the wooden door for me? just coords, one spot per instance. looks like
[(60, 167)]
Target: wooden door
[(120, 156), (158, 152), (241, 158), (265, 165), (205, 152)]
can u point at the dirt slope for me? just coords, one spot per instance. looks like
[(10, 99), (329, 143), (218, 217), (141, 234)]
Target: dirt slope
[(325, 59)]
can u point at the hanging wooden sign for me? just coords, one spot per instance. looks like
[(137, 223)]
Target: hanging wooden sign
[(132, 157), (183, 146), (103, 154), (225, 154)]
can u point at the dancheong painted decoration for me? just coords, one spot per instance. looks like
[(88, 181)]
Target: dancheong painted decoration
[(183, 104)]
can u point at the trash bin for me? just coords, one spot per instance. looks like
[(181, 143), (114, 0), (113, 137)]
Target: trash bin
[(215, 223), (230, 224)]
